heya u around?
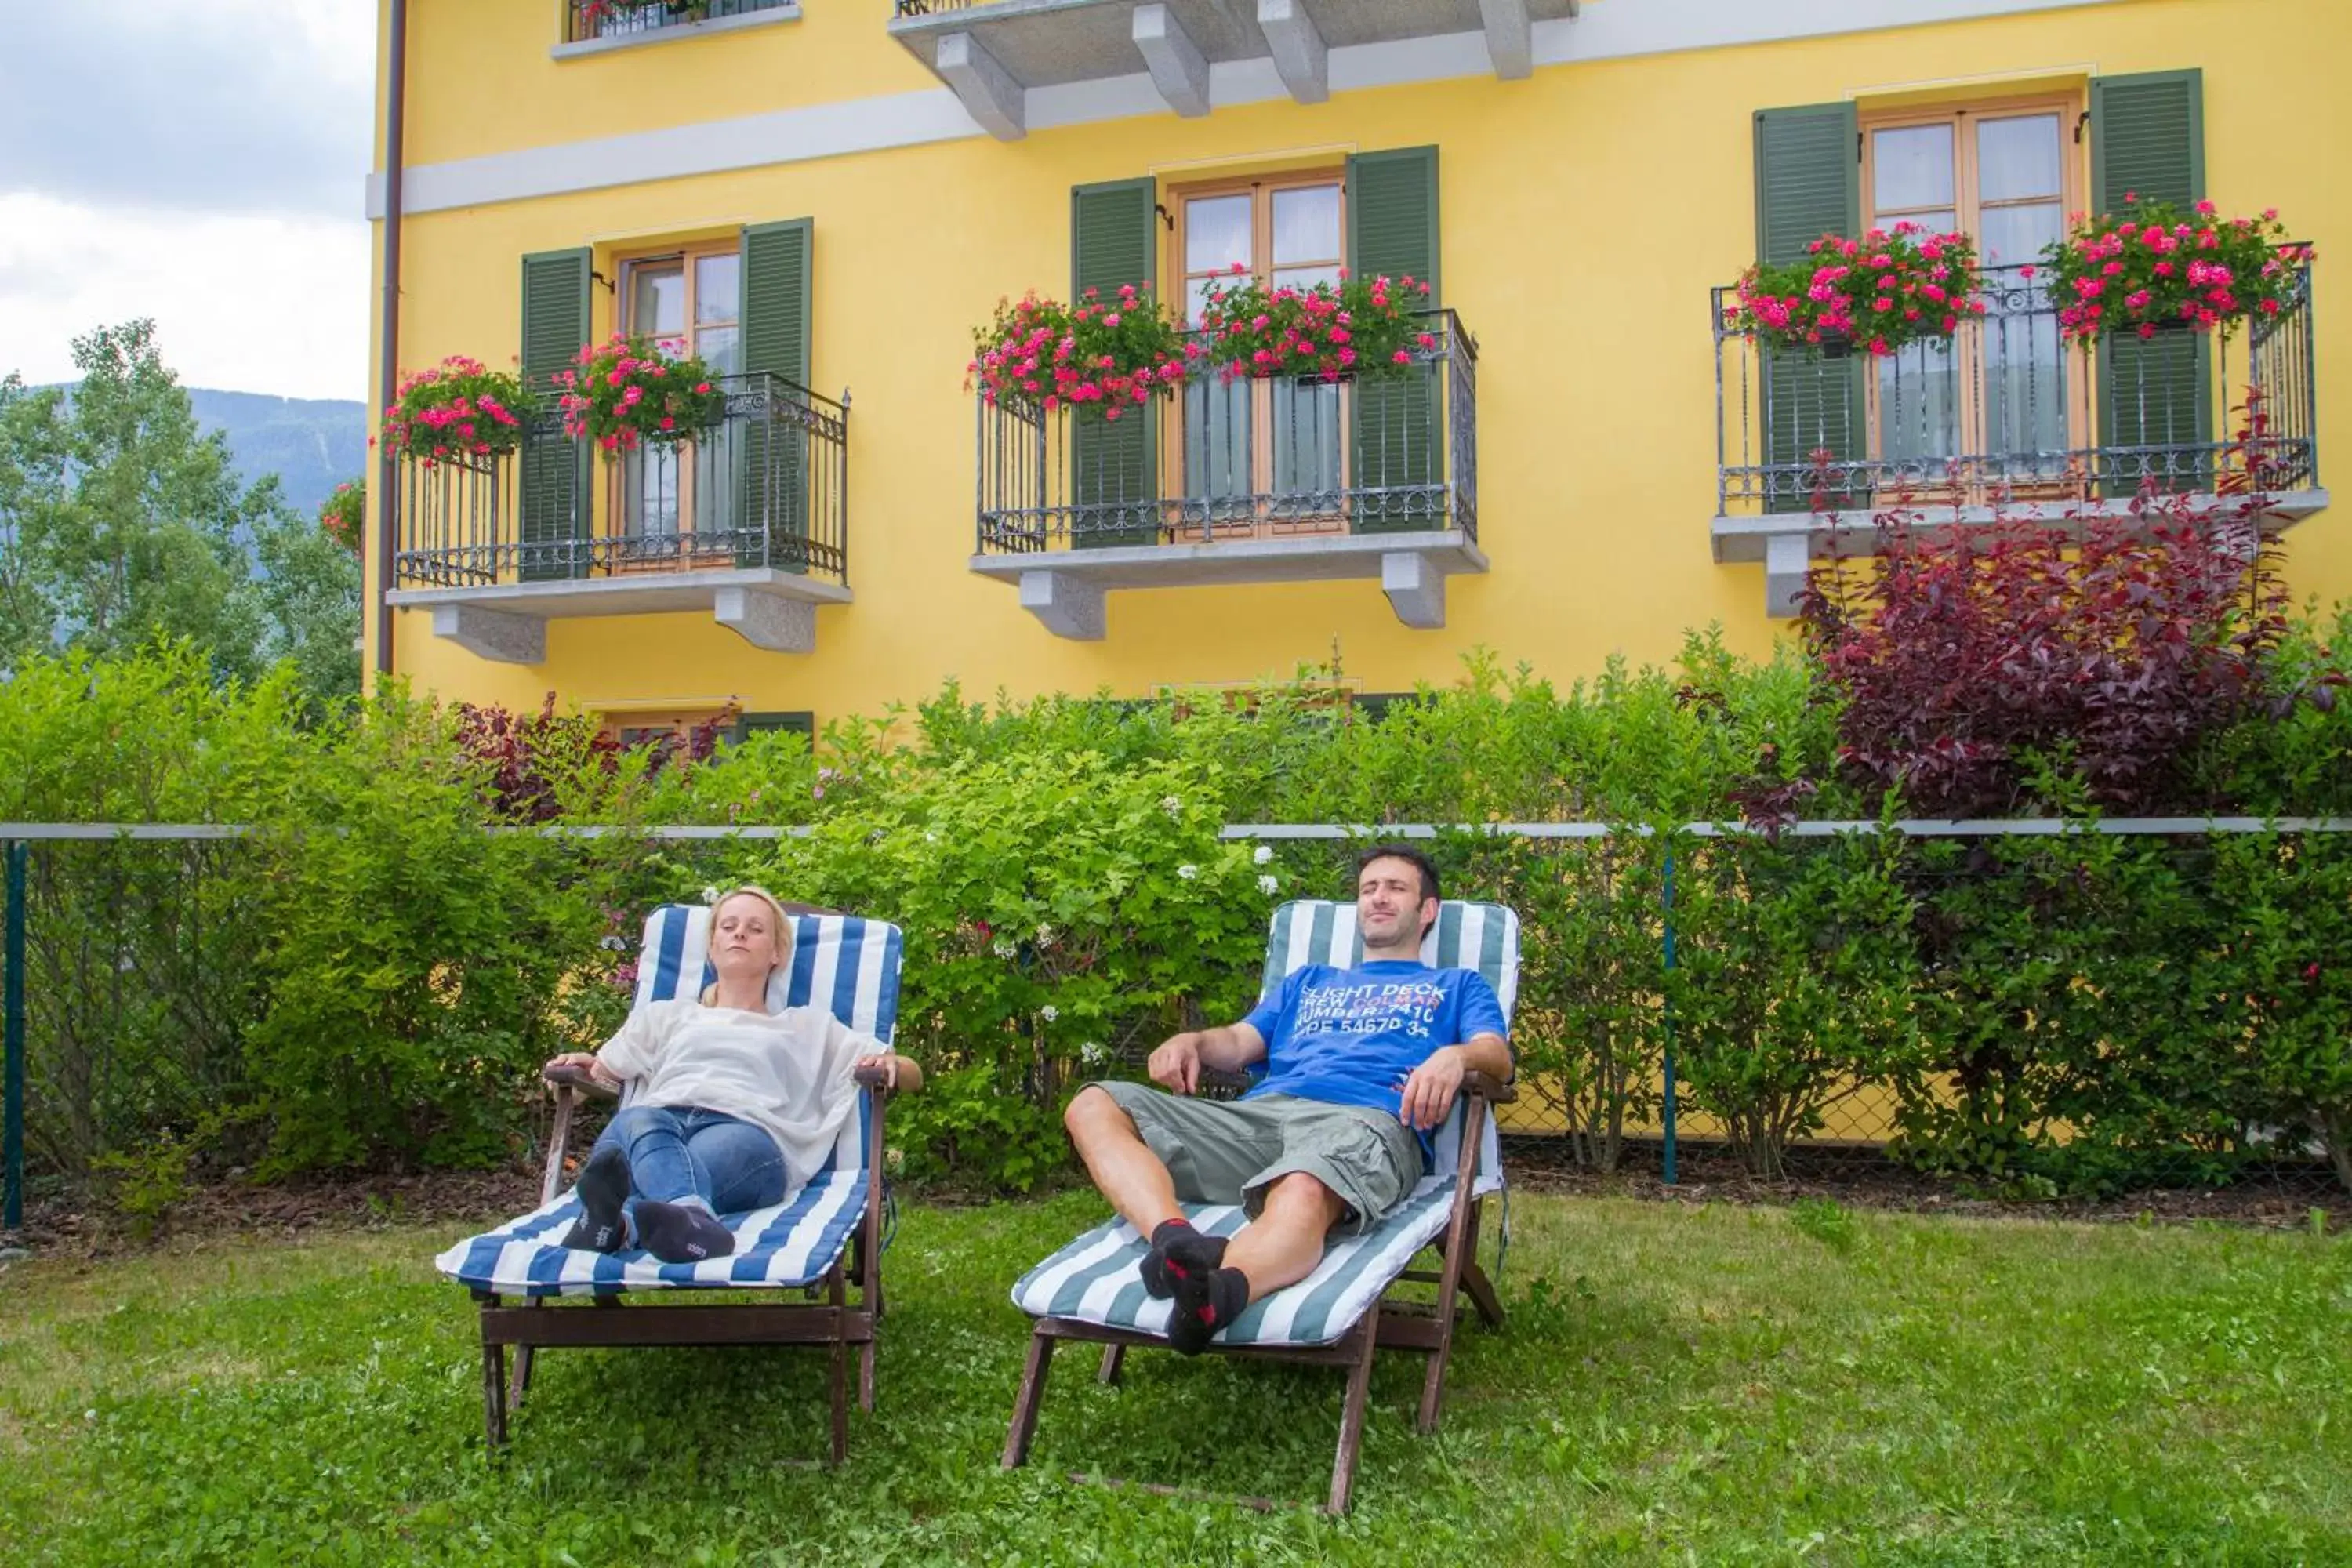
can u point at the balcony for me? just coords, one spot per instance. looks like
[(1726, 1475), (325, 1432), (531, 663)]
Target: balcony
[(992, 52), (749, 522), (2010, 420), (1240, 482), (592, 26)]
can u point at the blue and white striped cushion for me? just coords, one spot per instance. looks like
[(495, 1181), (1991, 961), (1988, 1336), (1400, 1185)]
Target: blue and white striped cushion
[(849, 967), (1096, 1278)]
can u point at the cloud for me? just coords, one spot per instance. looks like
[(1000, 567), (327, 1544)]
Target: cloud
[(226, 105), (246, 301)]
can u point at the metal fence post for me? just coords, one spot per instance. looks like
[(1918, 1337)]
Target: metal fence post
[(12, 1119), (1666, 909)]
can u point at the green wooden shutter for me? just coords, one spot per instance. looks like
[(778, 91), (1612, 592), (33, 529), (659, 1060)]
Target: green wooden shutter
[(1808, 183), (554, 466), (749, 724), (1398, 445), (1114, 480), (2147, 137), (771, 502)]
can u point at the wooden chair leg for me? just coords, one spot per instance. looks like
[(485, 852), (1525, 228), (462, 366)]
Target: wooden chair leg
[(1482, 1295), (1351, 1414), (866, 1377), (1024, 1407), (494, 1396), (1114, 1357), (521, 1384), (839, 1296)]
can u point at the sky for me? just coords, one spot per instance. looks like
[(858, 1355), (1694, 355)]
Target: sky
[(201, 161)]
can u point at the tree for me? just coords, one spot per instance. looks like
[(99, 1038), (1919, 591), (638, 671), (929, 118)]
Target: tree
[(120, 523)]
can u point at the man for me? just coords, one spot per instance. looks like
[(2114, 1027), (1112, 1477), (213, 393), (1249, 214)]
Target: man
[(1357, 1064)]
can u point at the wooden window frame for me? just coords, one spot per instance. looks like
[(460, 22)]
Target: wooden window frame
[(627, 268), (2070, 106), (1260, 189)]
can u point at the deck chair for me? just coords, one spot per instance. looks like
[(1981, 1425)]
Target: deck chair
[(1340, 1314), (519, 1271)]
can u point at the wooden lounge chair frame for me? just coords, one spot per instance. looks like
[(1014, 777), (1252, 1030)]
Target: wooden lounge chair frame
[(836, 1322), (1425, 1327)]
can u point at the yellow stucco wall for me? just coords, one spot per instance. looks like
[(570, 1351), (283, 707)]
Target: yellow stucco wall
[(1585, 213)]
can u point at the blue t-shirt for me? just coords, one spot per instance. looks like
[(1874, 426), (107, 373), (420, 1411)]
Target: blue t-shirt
[(1352, 1036)]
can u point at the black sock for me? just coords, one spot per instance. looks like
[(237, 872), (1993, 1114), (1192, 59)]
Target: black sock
[(1204, 1304), (603, 1188), (682, 1233), (1179, 1252)]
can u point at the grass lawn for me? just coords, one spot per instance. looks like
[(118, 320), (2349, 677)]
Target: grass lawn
[(1680, 1384)]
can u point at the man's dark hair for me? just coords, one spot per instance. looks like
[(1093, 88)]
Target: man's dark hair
[(1410, 856)]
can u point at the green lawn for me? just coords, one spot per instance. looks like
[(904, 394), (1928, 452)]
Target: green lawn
[(1704, 1384)]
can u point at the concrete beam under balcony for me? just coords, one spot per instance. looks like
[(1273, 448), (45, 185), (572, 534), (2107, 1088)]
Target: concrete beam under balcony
[(1789, 545), (1259, 47), (989, 94), (1065, 589), (507, 622)]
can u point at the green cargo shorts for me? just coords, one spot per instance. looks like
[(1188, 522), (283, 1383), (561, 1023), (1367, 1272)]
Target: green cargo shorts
[(1226, 1151)]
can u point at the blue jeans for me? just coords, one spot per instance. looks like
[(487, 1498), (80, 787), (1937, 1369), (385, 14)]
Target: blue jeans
[(721, 1162)]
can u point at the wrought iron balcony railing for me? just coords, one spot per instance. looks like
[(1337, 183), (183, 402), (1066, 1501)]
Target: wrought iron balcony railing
[(587, 19), (767, 486), (2010, 411), (1223, 460)]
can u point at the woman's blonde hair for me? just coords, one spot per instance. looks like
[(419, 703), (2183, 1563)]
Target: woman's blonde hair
[(782, 926)]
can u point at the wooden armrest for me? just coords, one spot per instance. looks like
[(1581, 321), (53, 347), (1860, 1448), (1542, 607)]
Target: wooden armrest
[(872, 1076), (1487, 1090), (574, 1077)]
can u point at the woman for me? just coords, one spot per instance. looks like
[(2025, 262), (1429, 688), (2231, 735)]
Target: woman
[(735, 1105)]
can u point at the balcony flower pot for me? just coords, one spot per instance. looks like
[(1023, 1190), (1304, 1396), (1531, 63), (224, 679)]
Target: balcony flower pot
[(1105, 356), (1360, 328), (1881, 293), (631, 392), (2155, 268), (458, 410)]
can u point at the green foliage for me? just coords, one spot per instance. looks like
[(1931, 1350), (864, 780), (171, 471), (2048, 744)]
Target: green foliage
[(120, 525)]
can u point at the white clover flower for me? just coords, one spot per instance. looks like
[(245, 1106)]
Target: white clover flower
[(1173, 805), (1044, 936), (1188, 871), (1269, 884), (1261, 854), (1049, 1012), (1092, 1053), (709, 895), (1003, 947), (931, 836), (893, 1157)]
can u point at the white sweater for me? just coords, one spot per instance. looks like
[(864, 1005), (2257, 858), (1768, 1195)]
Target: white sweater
[(787, 1073)]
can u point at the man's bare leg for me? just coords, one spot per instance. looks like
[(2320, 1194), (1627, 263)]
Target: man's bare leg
[(1122, 1164), (1284, 1242)]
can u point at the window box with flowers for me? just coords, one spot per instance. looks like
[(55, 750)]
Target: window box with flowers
[(2155, 268), (1104, 355), (630, 392), (1360, 327), (1890, 289), (458, 410)]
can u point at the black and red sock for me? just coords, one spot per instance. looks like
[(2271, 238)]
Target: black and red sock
[(1178, 1253), (1204, 1304)]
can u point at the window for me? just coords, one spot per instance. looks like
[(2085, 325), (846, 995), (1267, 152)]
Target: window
[(585, 19), (637, 727), (689, 302), (750, 724), (2005, 174), (1263, 457)]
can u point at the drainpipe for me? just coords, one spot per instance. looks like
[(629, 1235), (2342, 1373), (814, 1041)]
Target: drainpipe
[(388, 379)]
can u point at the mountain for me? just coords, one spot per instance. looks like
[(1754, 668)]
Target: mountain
[(313, 444)]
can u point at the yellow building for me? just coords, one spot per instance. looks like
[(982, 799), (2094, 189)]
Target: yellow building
[(826, 196)]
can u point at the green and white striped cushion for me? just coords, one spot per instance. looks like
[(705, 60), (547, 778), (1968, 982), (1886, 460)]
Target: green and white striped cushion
[(1095, 1278)]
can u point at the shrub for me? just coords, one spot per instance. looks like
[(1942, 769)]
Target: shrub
[(343, 516), (1963, 659)]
